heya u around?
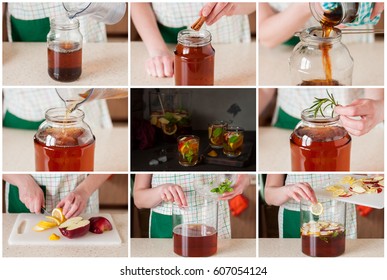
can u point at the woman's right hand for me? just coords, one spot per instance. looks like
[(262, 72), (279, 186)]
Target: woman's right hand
[(300, 191), (32, 196), (160, 65), (172, 193)]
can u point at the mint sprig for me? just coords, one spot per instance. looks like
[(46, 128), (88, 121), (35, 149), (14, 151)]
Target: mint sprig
[(223, 187)]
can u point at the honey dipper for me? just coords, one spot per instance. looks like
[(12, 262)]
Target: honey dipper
[(198, 24)]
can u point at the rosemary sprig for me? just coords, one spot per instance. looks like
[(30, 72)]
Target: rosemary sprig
[(318, 104)]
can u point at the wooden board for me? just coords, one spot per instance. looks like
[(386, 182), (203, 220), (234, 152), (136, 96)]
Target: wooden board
[(222, 159), (22, 233)]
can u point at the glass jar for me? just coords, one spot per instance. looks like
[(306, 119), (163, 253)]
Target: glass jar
[(64, 49), (194, 59), (323, 235), (64, 142), (216, 130), (195, 227), (334, 13), (188, 150), (320, 61), (320, 144), (233, 141)]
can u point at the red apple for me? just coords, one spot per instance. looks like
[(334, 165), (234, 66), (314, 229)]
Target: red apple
[(99, 224), (74, 227)]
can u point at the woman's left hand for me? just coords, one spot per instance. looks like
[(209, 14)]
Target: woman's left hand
[(74, 203), (241, 184), (371, 112)]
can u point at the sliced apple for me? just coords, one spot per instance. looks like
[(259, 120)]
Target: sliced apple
[(100, 224), (74, 227)]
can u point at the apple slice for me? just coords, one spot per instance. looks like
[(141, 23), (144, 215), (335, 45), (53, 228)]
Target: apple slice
[(74, 227), (99, 224)]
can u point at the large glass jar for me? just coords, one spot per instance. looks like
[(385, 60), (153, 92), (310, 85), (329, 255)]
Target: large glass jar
[(320, 61), (64, 142), (195, 228), (64, 49), (323, 233), (194, 59), (320, 144)]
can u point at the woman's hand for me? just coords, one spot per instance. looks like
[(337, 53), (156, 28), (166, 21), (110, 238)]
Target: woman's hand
[(32, 196), (300, 191), (74, 203), (371, 112), (241, 184), (378, 9), (172, 193), (214, 11), (160, 64)]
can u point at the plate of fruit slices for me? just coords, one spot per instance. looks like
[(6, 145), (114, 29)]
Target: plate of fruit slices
[(355, 189)]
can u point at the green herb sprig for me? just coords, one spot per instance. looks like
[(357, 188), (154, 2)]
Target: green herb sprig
[(318, 104), (223, 187)]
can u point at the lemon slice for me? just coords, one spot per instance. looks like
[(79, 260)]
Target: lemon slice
[(316, 209), (38, 228), (169, 129), (54, 237), (46, 225), (57, 213), (53, 220)]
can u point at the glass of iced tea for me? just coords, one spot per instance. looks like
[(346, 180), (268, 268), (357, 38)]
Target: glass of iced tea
[(195, 227), (233, 141), (323, 228), (64, 142), (188, 150), (216, 130)]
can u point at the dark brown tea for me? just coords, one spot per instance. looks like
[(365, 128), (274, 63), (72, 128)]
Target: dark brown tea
[(63, 151), (320, 149), (195, 240), (320, 82), (64, 61), (323, 239), (194, 65)]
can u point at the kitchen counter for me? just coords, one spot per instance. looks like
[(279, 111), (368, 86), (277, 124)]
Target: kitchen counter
[(140, 158), (368, 69), (104, 64), (120, 220), (367, 151), (163, 247), (235, 64), (111, 149), (291, 247)]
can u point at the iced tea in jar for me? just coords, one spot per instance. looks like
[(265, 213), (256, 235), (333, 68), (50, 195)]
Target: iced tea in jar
[(320, 143), (64, 49), (64, 142), (194, 59), (323, 228)]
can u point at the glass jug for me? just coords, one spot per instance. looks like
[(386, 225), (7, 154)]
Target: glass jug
[(195, 228), (320, 144), (64, 49), (323, 235), (320, 61), (64, 142), (194, 59)]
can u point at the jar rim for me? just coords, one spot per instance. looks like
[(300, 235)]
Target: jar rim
[(64, 23), (192, 38), (308, 116), (235, 127), (311, 35), (61, 115)]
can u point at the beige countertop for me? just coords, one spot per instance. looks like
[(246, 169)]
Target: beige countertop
[(291, 247), (163, 247), (367, 151), (104, 64), (235, 65), (368, 69), (120, 221), (111, 149)]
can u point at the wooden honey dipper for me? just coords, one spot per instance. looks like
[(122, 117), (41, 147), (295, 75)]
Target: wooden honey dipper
[(198, 24)]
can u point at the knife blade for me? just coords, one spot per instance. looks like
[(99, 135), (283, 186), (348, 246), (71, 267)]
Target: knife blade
[(44, 211)]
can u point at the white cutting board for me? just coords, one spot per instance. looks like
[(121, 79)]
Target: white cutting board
[(374, 200), (23, 234)]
